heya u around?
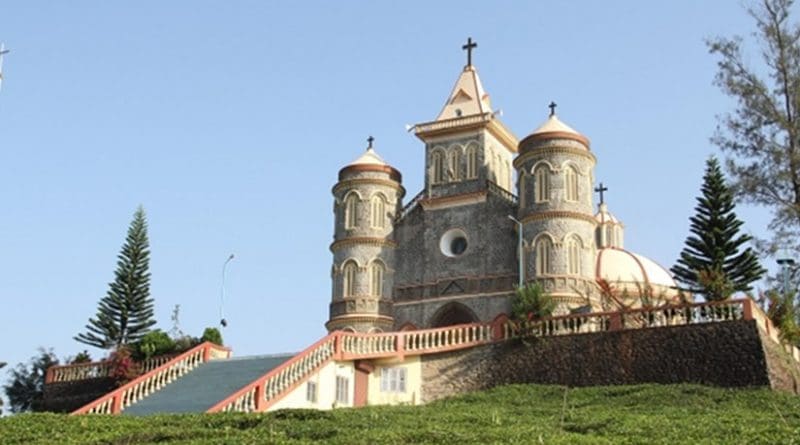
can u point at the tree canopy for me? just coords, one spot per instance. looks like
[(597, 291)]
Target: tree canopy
[(25, 390), (761, 136), (716, 261), (125, 314)]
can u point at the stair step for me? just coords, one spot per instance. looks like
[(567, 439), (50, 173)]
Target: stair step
[(206, 385)]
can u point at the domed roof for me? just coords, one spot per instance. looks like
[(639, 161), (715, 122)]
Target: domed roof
[(370, 157), (554, 124), (553, 128), (621, 267), (604, 216)]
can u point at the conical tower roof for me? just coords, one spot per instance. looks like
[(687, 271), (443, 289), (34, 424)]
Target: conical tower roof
[(467, 98)]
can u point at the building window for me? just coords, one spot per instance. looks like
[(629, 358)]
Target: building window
[(571, 184), (376, 271), (472, 162), (393, 380), (311, 392), (543, 248), (573, 257), (349, 279), (452, 165), (378, 212), (342, 390), (351, 211), (541, 184), (438, 167)]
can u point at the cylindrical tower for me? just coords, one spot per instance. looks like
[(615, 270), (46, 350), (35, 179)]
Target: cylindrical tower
[(555, 170), (367, 198)]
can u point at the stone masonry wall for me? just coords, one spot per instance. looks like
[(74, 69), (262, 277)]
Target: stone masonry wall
[(728, 354), (68, 396)]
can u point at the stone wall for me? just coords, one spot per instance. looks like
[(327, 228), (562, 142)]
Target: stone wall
[(64, 397), (728, 354)]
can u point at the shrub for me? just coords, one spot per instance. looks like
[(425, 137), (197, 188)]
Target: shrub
[(531, 302), (213, 335), (123, 367), (155, 342)]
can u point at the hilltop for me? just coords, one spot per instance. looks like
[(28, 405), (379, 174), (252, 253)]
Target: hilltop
[(649, 414)]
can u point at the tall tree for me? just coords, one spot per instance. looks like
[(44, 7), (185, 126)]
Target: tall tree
[(25, 391), (711, 263), (762, 135), (125, 314), (2, 365)]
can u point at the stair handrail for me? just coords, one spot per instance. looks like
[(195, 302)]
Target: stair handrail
[(268, 389), (93, 370), (126, 395)]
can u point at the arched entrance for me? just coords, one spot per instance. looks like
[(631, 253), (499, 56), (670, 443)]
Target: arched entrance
[(452, 314)]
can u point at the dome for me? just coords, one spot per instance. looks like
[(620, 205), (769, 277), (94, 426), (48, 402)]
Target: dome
[(553, 128), (370, 157), (627, 271), (604, 216), (370, 161)]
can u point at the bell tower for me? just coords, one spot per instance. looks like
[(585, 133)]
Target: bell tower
[(366, 201), (555, 175)]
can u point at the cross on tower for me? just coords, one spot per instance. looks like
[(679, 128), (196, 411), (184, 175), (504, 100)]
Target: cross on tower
[(552, 107), (370, 140), (469, 47), (600, 190)]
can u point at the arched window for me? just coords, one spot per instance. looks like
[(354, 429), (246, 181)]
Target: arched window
[(573, 256), (376, 271), (378, 212), (472, 162), (543, 248), (500, 178), (349, 279), (438, 167), (541, 184), (351, 211), (571, 183), (452, 165)]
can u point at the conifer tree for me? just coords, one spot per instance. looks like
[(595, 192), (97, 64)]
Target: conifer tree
[(125, 314), (711, 262)]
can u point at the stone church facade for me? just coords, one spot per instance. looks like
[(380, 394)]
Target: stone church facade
[(452, 254)]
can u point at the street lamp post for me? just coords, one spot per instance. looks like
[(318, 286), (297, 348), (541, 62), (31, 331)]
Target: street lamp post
[(786, 264), (222, 320), (520, 251)]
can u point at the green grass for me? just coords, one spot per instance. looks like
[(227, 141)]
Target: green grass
[(646, 414)]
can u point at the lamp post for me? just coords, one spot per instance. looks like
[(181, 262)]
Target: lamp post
[(520, 251), (786, 264), (222, 320)]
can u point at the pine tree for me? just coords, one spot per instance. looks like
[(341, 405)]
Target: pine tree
[(711, 262), (125, 314)]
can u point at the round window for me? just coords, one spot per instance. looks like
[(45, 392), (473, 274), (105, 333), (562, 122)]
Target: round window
[(453, 243)]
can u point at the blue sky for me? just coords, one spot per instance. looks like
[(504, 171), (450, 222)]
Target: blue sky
[(228, 122)]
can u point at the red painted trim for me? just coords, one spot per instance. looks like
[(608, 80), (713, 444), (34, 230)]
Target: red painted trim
[(261, 380), (117, 393)]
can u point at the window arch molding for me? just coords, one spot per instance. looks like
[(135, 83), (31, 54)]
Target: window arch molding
[(542, 180), (571, 181), (377, 277), (351, 203), (471, 153), (453, 170), (349, 278), (573, 244), (438, 160), (543, 247), (377, 210)]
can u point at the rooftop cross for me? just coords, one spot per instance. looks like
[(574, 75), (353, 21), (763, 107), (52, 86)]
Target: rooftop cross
[(469, 47), (370, 140), (600, 190), (552, 107)]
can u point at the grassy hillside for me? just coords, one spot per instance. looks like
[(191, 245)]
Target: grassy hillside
[(514, 414)]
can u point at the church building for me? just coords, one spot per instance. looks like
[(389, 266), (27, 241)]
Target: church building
[(495, 212)]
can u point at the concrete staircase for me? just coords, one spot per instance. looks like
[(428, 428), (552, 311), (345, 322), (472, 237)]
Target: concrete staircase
[(206, 385)]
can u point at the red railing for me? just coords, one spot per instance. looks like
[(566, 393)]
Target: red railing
[(124, 396), (268, 389), (94, 370)]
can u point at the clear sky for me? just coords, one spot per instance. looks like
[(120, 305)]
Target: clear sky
[(228, 122)]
